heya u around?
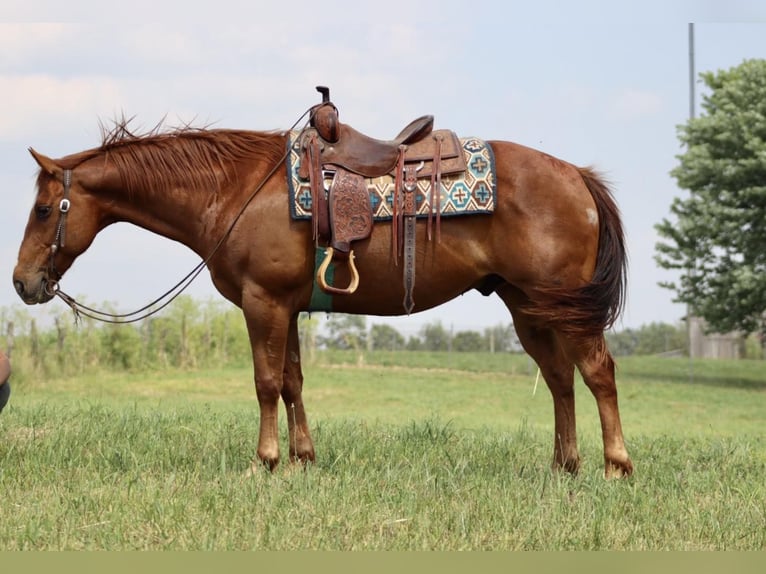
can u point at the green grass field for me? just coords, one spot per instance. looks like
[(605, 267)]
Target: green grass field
[(414, 451)]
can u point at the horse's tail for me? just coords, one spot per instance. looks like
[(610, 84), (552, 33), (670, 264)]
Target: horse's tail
[(593, 308), (611, 273)]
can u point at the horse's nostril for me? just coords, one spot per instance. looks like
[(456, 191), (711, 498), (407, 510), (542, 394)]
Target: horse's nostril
[(19, 287)]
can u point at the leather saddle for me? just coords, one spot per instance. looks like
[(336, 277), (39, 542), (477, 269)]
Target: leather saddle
[(337, 158), (346, 147)]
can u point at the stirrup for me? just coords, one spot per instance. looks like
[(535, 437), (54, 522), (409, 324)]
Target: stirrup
[(352, 286)]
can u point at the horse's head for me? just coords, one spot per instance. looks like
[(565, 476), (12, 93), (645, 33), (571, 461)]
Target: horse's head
[(62, 224)]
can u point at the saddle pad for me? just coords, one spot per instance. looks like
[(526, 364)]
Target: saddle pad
[(472, 192)]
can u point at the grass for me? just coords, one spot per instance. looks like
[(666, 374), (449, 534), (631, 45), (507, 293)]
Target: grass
[(415, 454)]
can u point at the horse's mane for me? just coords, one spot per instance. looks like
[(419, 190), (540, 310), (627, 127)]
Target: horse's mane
[(187, 156)]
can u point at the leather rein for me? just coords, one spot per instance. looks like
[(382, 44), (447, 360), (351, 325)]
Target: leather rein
[(52, 286)]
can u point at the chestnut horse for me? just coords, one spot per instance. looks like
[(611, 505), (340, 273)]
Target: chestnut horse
[(553, 251)]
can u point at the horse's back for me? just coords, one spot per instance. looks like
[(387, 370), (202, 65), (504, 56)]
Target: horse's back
[(551, 181)]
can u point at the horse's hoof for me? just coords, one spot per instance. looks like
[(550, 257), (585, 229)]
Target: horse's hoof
[(618, 469), (303, 457), (570, 465), (269, 463)]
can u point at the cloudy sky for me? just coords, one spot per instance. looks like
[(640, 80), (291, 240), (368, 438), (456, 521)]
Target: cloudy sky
[(591, 84)]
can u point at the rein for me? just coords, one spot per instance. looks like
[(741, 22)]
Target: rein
[(171, 294)]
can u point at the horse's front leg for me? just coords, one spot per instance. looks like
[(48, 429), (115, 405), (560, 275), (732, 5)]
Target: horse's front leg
[(267, 325), (301, 445)]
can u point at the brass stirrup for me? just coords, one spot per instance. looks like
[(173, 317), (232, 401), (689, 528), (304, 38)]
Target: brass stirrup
[(352, 286)]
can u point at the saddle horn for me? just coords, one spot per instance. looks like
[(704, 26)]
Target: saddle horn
[(325, 91), (325, 118)]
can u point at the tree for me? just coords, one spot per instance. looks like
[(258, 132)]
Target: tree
[(468, 342), (717, 241), (385, 337), (435, 337), (650, 339), (346, 332), (502, 338), (657, 338), (414, 343), (308, 327), (122, 344)]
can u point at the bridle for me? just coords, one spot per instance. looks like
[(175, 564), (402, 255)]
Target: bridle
[(52, 285)]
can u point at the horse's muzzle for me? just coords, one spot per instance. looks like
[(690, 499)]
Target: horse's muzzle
[(5, 393), (38, 290)]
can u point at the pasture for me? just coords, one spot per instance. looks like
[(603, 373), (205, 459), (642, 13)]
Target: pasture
[(414, 451)]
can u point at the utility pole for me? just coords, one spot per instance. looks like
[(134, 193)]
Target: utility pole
[(691, 71), (689, 310)]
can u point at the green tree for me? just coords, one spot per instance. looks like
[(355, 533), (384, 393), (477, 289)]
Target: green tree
[(469, 341), (435, 337), (649, 339), (656, 338), (622, 343), (415, 343), (185, 315), (387, 338), (308, 326), (228, 331), (502, 338), (717, 239), (346, 332), (122, 344)]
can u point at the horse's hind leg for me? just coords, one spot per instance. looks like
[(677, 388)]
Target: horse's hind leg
[(596, 366), (558, 371), (301, 445), (557, 355)]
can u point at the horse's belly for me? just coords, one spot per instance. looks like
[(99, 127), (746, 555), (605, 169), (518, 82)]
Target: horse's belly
[(382, 291)]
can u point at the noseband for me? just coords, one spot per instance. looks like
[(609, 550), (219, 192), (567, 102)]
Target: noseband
[(51, 286)]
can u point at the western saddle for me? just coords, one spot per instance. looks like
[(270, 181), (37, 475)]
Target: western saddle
[(336, 159)]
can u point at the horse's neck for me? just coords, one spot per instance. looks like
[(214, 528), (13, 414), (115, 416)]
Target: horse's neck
[(191, 213), (180, 215)]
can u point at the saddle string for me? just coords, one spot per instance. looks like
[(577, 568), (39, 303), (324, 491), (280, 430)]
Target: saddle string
[(171, 294), (316, 186), (397, 206), (436, 184)]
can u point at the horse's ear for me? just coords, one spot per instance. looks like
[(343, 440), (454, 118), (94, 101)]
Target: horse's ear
[(46, 163)]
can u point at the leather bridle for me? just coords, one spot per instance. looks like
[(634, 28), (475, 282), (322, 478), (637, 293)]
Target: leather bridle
[(51, 285)]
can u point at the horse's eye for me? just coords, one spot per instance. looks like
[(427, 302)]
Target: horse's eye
[(42, 212)]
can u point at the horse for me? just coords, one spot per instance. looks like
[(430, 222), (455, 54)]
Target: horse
[(553, 251)]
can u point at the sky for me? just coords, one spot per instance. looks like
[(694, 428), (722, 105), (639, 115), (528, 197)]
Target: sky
[(595, 83)]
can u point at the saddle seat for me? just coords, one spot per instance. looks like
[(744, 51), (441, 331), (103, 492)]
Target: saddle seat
[(348, 148)]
